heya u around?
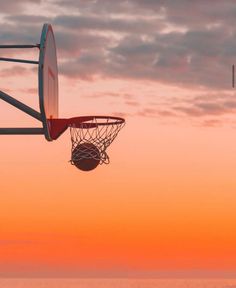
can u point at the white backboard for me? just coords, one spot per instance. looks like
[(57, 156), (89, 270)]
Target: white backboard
[(48, 78)]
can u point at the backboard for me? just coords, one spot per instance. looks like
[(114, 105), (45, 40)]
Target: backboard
[(48, 79)]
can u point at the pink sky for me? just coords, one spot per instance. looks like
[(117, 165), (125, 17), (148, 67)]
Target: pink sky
[(166, 203)]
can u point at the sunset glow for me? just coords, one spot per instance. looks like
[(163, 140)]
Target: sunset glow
[(166, 202)]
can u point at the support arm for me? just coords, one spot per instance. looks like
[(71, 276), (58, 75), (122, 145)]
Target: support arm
[(21, 106), (19, 46), (21, 131), (19, 60)]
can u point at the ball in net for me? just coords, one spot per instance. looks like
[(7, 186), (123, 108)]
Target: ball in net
[(85, 156)]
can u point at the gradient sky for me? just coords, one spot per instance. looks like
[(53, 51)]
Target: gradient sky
[(166, 203)]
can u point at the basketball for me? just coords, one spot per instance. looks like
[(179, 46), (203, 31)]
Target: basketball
[(86, 156)]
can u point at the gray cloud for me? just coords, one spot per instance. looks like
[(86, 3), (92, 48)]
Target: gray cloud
[(70, 45), (105, 6), (96, 23), (208, 105), (171, 59), (20, 33), (183, 43), (139, 47), (24, 19), (85, 67), (182, 12), (12, 5)]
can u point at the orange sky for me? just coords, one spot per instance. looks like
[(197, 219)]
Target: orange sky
[(165, 203)]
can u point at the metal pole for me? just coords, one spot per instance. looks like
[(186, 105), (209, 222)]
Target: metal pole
[(233, 76), (19, 46), (30, 111), (21, 131), (19, 60)]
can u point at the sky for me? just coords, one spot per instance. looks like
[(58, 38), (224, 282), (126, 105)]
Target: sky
[(165, 205)]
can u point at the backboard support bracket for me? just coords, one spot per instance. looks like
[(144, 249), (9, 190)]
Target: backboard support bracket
[(21, 131), (47, 83), (21, 106), (24, 46), (19, 60), (16, 103), (28, 110), (19, 46)]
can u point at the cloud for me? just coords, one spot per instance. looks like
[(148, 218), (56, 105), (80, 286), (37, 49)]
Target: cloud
[(95, 23), (70, 46), (121, 114), (208, 105), (132, 103), (14, 71), (184, 13), (212, 123), (155, 113), (24, 19), (106, 94), (12, 5), (140, 8), (85, 67), (123, 43), (179, 43), (18, 33), (196, 58), (200, 13)]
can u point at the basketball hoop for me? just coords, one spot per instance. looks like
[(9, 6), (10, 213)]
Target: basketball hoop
[(99, 131), (90, 136)]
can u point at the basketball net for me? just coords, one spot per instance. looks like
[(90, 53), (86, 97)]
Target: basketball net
[(100, 131)]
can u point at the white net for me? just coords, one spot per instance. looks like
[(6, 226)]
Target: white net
[(96, 135)]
